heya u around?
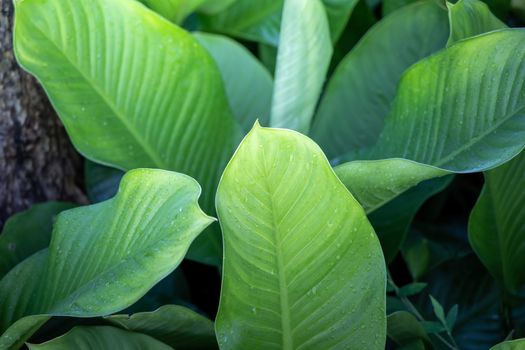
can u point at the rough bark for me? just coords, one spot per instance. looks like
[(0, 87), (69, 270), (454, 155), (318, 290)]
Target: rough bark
[(37, 161)]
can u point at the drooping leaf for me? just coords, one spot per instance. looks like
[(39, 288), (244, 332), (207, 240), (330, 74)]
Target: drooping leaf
[(247, 19), (405, 330), (174, 325), (497, 223), (462, 108), (27, 232), (469, 18), (101, 338), (101, 181), (132, 89), (174, 10), (302, 265), (303, 57), (517, 344), (360, 92), (248, 84), (104, 257)]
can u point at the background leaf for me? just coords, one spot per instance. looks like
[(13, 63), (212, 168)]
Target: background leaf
[(496, 225), (174, 325), (101, 338), (461, 109), (248, 84), (469, 18), (303, 57), (101, 181), (302, 265), (405, 330), (27, 232), (510, 345), (359, 94), (104, 257)]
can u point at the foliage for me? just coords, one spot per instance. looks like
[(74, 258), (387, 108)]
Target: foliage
[(348, 220)]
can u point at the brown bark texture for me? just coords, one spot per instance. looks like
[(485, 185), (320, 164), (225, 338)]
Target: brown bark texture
[(37, 161)]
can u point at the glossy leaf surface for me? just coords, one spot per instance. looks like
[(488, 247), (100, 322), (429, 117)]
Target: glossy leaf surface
[(302, 265)]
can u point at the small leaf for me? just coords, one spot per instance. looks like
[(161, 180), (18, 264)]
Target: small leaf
[(452, 317), (432, 327), (438, 310), (100, 338), (411, 289), (404, 328)]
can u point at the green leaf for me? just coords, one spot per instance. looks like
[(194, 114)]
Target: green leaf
[(174, 10), (27, 232), (496, 225), (100, 338), (132, 89), (390, 6), (174, 325), (247, 19), (411, 289), (469, 18), (302, 265), (338, 12), (101, 181), (404, 329), (104, 257), (359, 94), (461, 109), (517, 344), (303, 57), (432, 327), (248, 84), (438, 310), (452, 317)]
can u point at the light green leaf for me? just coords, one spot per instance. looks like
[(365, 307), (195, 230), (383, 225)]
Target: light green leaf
[(405, 329), (517, 344), (496, 225), (104, 257), (174, 325), (462, 108), (438, 310), (375, 183), (101, 181), (302, 265), (174, 10), (469, 18), (359, 94), (214, 6), (302, 63), (248, 84), (247, 19), (452, 316), (132, 89), (27, 232), (101, 338)]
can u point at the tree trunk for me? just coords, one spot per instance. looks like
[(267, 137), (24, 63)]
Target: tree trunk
[(37, 161)]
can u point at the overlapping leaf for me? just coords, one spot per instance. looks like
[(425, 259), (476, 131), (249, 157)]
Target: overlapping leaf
[(302, 265), (104, 257), (304, 46), (132, 89), (359, 95)]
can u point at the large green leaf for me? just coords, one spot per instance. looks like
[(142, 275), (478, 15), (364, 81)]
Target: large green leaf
[(359, 95), (469, 18), (27, 232), (101, 338), (302, 265), (248, 84), (497, 223), (174, 325), (517, 344), (132, 89), (104, 257), (303, 57), (252, 20), (462, 108)]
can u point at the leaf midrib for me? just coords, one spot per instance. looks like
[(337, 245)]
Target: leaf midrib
[(145, 146)]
